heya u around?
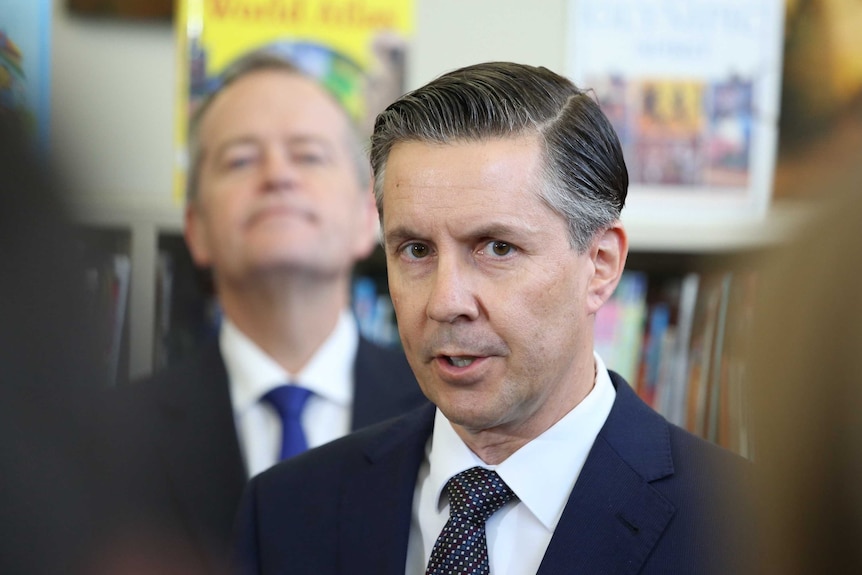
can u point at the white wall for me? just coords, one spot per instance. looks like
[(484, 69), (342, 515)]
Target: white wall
[(454, 33), (113, 96), (112, 105)]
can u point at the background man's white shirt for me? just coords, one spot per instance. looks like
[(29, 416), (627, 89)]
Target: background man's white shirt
[(252, 373)]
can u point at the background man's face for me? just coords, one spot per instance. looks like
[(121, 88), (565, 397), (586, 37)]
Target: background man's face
[(278, 186), (493, 304)]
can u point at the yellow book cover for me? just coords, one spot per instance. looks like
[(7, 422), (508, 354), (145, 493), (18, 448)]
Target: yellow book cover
[(356, 48)]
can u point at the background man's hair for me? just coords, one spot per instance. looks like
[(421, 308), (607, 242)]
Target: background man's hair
[(585, 177)]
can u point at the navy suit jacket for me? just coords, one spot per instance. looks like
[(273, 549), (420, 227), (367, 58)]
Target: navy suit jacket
[(650, 499), (187, 473)]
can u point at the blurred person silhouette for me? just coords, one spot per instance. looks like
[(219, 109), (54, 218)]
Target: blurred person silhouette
[(280, 209), (806, 394), (58, 504), (500, 188), (52, 437)]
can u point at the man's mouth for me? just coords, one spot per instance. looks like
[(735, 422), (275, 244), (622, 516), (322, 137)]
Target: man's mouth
[(459, 361), (283, 210)]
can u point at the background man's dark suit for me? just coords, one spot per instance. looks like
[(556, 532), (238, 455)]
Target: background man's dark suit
[(186, 472), (648, 501)]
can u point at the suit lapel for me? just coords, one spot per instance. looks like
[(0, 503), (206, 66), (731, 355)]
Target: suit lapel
[(377, 501), (202, 455), (614, 517)]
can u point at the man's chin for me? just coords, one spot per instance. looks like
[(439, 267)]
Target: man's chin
[(289, 266), (470, 417)]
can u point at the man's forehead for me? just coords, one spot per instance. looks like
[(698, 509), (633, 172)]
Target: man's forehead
[(463, 208), (272, 97), (419, 169)]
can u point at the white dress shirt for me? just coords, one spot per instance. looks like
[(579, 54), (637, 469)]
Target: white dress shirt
[(252, 373), (542, 474)]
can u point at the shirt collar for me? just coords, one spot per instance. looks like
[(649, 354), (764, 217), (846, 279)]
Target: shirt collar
[(560, 453), (252, 372)]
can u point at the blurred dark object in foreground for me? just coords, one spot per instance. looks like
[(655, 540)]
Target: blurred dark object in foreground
[(61, 504)]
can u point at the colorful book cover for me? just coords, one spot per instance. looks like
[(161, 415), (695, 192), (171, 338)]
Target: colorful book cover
[(25, 62), (659, 332), (672, 396), (693, 93), (619, 326), (356, 48)]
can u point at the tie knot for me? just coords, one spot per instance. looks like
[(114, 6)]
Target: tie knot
[(288, 400), (477, 493)]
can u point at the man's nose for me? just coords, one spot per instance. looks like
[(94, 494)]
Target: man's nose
[(279, 171), (452, 296)]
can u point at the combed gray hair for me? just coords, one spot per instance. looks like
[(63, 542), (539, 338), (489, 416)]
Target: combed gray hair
[(585, 173), (258, 61)]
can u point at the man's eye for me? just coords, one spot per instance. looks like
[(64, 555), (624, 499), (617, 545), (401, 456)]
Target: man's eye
[(238, 159), (238, 162), (416, 251), (308, 158), (499, 248)]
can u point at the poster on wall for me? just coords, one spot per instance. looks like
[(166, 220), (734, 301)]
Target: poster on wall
[(355, 48), (692, 89), (25, 63)]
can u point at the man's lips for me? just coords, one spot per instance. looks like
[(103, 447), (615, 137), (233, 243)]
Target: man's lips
[(458, 360), (454, 352), (460, 369), (280, 211)]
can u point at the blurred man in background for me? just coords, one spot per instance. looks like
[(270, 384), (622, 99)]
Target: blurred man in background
[(280, 209)]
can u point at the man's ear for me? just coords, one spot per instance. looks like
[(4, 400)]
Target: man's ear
[(369, 225), (608, 253), (195, 234)]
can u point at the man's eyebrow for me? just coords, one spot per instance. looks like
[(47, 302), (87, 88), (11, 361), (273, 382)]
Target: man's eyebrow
[(300, 139), (309, 139), (397, 235), (231, 142), (499, 229)]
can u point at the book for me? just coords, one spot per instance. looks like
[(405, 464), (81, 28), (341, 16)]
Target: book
[(701, 353), (121, 280), (733, 420), (671, 395), (717, 386), (619, 325)]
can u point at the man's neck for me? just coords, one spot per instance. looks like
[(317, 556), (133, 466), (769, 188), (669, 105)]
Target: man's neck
[(289, 324)]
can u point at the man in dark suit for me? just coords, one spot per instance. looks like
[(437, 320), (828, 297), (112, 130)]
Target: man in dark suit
[(280, 208), (500, 188)]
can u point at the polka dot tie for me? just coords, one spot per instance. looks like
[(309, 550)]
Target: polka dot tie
[(289, 401), (461, 548)]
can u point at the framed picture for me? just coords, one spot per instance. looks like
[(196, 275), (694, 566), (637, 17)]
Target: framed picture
[(128, 9), (693, 92), (25, 64)]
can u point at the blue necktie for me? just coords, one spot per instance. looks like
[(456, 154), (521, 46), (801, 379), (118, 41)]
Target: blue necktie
[(288, 401), (461, 548)]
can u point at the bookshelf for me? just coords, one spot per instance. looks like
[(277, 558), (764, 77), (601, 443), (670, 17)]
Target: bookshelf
[(151, 237), (140, 226), (105, 256), (186, 310), (677, 329)]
